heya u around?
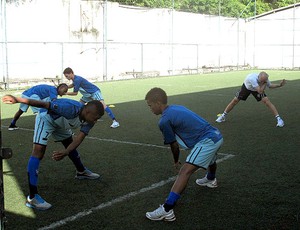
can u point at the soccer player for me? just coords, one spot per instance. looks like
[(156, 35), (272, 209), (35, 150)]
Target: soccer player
[(89, 92), (39, 92), (56, 119), (255, 84), (181, 126)]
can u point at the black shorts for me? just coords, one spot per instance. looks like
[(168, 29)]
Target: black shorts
[(244, 93)]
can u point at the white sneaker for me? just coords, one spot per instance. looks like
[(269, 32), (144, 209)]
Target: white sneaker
[(87, 174), (280, 122), (220, 119), (115, 124), (37, 202), (206, 182), (161, 214)]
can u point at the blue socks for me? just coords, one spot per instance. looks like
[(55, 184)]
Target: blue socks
[(211, 176), (32, 171), (110, 113), (75, 158), (171, 201)]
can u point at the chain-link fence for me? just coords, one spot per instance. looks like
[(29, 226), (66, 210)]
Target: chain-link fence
[(111, 42)]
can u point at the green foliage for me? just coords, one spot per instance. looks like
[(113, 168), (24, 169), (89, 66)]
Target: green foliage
[(229, 8)]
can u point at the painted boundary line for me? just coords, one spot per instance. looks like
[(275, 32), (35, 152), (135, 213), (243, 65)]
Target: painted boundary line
[(124, 197), (119, 199)]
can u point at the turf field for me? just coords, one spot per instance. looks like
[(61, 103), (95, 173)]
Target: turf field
[(258, 170)]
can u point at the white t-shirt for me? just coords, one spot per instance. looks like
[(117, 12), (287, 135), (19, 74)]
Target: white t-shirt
[(251, 81)]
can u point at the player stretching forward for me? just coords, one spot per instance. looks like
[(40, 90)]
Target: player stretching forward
[(89, 92), (56, 119), (38, 92), (184, 127), (255, 84)]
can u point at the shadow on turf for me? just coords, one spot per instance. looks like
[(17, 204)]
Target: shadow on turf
[(249, 124)]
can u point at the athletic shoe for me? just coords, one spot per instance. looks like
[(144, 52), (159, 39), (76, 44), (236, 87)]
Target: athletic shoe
[(12, 127), (161, 214), (37, 202), (220, 119), (87, 174), (115, 124), (280, 122), (206, 182)]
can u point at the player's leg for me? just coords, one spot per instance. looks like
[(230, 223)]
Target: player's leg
[(12, 125), (242, 94), (98, 96), (271, 106), (34, 200), (207, 160), (165, 212), (42, 131), (82, 172)]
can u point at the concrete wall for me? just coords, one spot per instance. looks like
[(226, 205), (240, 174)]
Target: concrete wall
[(42, 37)]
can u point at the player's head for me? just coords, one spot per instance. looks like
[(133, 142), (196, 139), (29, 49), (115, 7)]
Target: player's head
[(92, 111), (157, 100), (62, 89), (68, 72), (263, 77)]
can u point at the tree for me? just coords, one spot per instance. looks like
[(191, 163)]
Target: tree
[(229, 8)]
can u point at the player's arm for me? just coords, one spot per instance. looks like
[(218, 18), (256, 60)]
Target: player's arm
[(9, 99), (71, 93), (71, 86), (77, 140), (261, 87), (175, 150), (282, 83)]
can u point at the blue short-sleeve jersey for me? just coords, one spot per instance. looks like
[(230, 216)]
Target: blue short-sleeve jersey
[(180, 124), (43, 91), (80, 82), (70, 110)]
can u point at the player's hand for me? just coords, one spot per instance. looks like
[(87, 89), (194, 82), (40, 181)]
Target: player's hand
[(9, 99), (59, 155), (282, 83)]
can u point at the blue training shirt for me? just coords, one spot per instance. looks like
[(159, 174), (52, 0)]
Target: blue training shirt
[(70, 110), (80, 82), (43, 91), (180, 124)]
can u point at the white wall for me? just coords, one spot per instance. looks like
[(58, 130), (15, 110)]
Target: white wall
[(45, 36)]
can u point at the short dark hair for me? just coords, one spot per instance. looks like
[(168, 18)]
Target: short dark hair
[(157, 94), (68, 71), (97, 105), (62, 85)]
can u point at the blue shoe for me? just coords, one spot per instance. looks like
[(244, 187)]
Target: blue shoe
[(37, 202)]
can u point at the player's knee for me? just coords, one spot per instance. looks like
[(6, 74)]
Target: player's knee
[(38, 151), (67, 142), (266, 101)]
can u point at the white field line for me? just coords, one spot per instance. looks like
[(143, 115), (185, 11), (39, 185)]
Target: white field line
[(124, 197), (118, 200)]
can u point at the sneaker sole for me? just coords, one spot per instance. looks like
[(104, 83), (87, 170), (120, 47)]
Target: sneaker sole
[(34, 207), (12, 129), (86, 178), (113, 127), (162, 218), (207, 185)]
